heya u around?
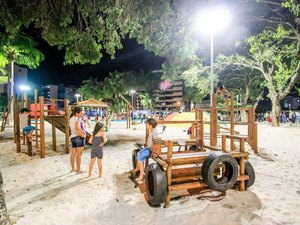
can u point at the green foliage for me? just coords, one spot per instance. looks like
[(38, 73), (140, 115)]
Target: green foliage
[(197, 82), (114, 89), (148, 99), (21, 49), (91, 89)]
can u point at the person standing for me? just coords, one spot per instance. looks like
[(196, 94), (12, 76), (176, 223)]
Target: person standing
[(77, 139), (98, 140)]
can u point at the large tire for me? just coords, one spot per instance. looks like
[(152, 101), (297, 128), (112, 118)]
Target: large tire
[(156, 184), (249, 171), (229, 176)]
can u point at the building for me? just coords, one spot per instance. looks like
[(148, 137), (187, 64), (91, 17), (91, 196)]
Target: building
[(50, 91), (170, 96)]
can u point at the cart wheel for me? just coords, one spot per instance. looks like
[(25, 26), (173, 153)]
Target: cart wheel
[(249, 171), (156, 184), (229, 173)]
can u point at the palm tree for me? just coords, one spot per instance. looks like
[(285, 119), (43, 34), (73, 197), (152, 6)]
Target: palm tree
[(91, 89), (114, 88), (148, 99), (20, 49)]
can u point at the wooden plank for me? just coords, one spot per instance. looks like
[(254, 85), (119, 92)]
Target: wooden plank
[(190, 185)]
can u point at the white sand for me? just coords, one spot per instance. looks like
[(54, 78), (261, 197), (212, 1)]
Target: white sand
[(43, 192)]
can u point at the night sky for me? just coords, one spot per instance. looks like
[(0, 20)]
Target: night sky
[(52, 71)]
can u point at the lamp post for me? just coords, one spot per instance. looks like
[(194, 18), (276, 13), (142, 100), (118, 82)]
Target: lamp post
[(132, 92), (77, 97), (212, 21)]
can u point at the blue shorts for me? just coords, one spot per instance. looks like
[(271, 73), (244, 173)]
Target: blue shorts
[(27, 129), (144, 154), (77, 142)]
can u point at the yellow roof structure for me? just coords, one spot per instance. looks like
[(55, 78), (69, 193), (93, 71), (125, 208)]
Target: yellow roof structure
[(92, 103)]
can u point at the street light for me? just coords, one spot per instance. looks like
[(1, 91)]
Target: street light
[(132, 92), (212, 21), (77, 96), (24, 89)]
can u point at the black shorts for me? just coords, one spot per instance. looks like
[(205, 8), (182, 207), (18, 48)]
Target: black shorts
[(77, 142)]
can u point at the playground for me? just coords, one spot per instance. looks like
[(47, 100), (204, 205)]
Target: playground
[(44, 189)]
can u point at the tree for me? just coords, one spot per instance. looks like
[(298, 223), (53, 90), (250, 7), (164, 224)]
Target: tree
[(273, 55), (114, 89), (197, 80), (21, 49), (148, 99), (88, 29), (4, 218), (91, 89)]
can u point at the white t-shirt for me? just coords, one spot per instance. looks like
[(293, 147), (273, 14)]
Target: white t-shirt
[(73, 120), (23, 120), (152, 135)]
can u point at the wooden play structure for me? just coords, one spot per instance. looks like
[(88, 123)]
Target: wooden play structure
[(192, 163), (40, 113)]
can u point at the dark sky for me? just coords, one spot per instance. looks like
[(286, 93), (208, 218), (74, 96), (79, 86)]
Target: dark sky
[(52, 71)]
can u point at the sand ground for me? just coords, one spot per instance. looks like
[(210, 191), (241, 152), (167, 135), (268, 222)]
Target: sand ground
[(43, 191)]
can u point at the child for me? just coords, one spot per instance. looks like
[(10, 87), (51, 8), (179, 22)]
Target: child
[(25, 121), (221, 91), (98, 139), (147, 151)]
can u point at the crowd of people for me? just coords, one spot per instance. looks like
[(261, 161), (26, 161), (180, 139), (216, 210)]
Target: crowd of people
[(284, 117)]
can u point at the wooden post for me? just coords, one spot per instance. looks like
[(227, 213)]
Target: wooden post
[(15, 114), (67, 124), (169, 173), (36, 119), (255, 149), (213, 122), (29, 146), (231, 120), (53, 135), (224, 143), (242, 165), (16, 124), (42, 127)]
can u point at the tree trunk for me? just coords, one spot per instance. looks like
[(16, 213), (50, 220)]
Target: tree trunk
[(276, 109), (4, 218)]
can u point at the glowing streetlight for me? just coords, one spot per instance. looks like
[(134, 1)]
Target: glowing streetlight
[(24, 89), (77, 97), (212, 21)]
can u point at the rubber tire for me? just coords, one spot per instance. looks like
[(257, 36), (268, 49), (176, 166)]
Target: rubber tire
[(249, 171), (134, 157), (228, 179), (156, 184)]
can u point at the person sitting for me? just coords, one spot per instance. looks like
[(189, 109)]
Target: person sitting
[(147, 151), (25, 123), (222, 92)]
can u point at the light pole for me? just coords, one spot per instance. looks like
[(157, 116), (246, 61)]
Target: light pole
[(212, 21), (77, 97), (132, 92)]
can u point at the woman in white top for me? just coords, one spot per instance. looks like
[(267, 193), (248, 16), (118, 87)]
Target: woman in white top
[(77, 139)]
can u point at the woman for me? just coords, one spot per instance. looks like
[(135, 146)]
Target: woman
[(77, 139)]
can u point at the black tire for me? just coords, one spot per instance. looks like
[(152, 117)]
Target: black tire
[(156, 184), (134, 157), (228, 177), (249, 171)]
